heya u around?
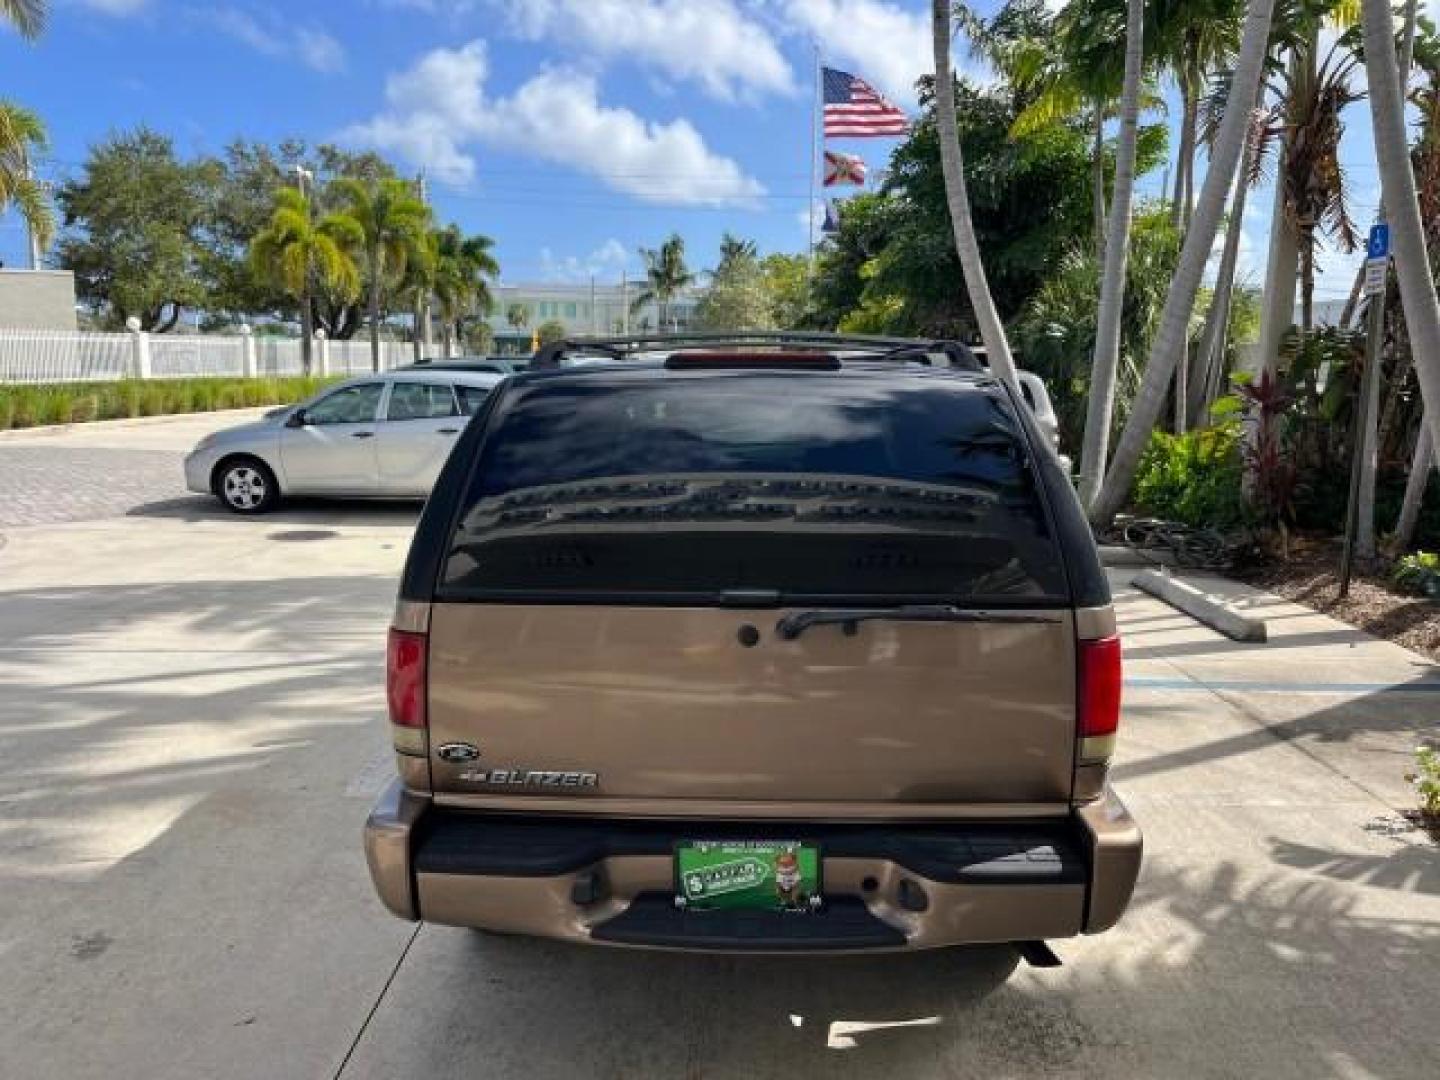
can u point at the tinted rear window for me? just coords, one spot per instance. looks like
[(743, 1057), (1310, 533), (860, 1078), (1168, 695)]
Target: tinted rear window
[(679, 487)]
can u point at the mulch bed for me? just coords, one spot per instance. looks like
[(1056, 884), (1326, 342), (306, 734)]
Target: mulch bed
[(1311, 577)]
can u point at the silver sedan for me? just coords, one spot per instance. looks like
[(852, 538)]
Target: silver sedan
[(382, 436)]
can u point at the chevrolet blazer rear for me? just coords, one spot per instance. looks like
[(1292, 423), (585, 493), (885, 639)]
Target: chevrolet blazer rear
[(755, 651)]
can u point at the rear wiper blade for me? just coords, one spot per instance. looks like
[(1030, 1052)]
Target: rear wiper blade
[(797, 622)]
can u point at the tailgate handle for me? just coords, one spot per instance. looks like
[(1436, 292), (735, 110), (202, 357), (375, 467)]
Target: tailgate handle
[(796, 623)]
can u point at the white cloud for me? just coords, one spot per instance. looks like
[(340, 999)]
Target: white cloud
[(268, 33), (118, 8), (712, 43), (605, 262), (319, 51), (881, 42), (438, 108)]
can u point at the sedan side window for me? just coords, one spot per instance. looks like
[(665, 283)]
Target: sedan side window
[(420, 401), (472, 397), (352, 405)]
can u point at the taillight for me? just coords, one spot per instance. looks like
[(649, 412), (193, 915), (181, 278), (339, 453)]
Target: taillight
[(1098, 697), (405, 689)]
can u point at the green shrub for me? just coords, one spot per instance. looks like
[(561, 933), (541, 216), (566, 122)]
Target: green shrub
[(1194, 479), (1426, 779), (30, 406), (1418, 574)]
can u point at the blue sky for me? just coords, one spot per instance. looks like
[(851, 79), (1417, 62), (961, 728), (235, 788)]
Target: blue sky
[(572, 131)]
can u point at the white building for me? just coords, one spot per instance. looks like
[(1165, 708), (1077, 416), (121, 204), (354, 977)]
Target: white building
[(596, 309)]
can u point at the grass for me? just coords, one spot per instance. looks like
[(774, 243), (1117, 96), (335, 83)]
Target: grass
[(72, 403)]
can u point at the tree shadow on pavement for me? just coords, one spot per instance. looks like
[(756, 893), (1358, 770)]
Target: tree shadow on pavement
[(1212, 974), (200, 508)]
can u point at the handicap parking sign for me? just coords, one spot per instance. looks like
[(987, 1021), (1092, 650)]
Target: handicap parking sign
[(1378, 246)]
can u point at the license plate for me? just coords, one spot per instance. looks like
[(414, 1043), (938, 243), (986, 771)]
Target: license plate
[(758, 875)]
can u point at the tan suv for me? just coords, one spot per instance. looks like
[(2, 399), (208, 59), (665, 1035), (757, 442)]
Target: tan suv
[(793, 646)]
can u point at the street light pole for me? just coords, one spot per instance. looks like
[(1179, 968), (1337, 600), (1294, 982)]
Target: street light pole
[(305, 181)]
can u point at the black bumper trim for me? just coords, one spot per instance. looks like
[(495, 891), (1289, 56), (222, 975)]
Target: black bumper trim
[(1042, 853), (653, 919)]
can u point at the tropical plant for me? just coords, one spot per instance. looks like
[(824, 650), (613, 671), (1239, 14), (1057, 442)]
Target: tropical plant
[(1426, 780), (665, 275), (1106, 358), (299, 255), (550, 331), (1412, 265), (1418, 574), (392, 223), (27, 16), (1271, 471), (518, 316), (1193, 478), (1197, 39), (957, 200), (736, 297), (1171, 336), (463, 267), (22, 135)]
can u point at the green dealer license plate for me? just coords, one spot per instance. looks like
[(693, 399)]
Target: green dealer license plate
[(759, 875)]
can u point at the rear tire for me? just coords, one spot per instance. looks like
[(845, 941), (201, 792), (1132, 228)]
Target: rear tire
[(246, 485)]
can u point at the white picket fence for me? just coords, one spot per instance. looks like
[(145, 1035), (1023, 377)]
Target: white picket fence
[(56, 356)]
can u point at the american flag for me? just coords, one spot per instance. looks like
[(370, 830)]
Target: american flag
[(855, 108)]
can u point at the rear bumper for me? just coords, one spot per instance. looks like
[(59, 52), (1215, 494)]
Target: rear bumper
[(887, 888)]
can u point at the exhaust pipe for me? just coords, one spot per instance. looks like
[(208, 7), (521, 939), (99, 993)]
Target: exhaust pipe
[(1037, 954)]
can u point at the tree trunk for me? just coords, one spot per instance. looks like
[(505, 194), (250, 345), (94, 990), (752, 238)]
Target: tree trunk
[(1278, 314), (1106, 362), (1190, 142), (1182, 156), (374, 314), (307, 332), (952, 162), (1169, 344), (1415, 486), (1097, 181), (1370, 423), (1217, 320), (1407, 234), (1306, 247), (416, 350)]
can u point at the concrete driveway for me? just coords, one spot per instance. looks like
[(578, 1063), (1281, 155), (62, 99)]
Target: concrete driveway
[(191, 728)]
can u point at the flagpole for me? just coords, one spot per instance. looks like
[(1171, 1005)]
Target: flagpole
[(814, 142)]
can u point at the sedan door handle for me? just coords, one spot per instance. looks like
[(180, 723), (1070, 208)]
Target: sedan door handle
[(448, 431), (362, 434)]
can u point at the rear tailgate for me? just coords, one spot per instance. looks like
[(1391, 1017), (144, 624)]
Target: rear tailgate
[(668, 703), (605, 626)]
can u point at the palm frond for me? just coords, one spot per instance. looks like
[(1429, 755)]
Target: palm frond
[(27, 16)]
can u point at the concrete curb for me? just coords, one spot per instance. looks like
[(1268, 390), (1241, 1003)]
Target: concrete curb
[(1119, 555), (1210, 610), (121, 423)]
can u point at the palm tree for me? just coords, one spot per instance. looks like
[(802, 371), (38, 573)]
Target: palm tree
[(1365, 549), (391, 220), (733, 250), (419, 287), (665, 275), (1407, 234), (296, 253), (462, 266), (1203, 385), (952, 164), (1168, 347), (518, 316), (21, 135), (1117, 245), (27, 16), (1197, 38)]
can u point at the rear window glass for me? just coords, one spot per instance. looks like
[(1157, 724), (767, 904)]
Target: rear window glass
[(683, 486)]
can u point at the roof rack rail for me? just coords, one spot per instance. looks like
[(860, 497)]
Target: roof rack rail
[(911, 350)]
